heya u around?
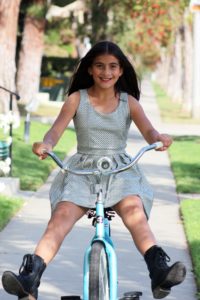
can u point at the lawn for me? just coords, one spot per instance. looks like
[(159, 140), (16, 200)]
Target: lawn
[(184, 156), (170, 111), (185, 163), (8, 207), (192, 225), (32, 171)]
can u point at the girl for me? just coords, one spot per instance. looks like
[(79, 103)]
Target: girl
[(102, 100)]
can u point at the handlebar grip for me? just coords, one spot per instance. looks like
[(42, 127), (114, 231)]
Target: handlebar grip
[(158, 145)]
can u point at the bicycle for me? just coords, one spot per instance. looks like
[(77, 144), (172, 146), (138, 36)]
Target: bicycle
[(100, 262)]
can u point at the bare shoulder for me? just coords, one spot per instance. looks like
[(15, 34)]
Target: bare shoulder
[(133, 103), (72, 99)]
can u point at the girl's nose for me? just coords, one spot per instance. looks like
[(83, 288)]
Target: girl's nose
[(106, 71)]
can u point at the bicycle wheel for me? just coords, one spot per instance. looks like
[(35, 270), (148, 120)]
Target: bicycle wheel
[(98, 273)]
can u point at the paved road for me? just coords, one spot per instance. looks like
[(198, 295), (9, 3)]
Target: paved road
[(64, 275)]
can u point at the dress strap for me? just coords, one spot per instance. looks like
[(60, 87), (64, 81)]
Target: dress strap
[(83, 95), (123, 97)]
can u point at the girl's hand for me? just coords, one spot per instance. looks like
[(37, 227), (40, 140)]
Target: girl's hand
[(39, 149), (166, 140)]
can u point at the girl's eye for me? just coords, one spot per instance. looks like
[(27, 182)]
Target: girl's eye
[(99, 65)]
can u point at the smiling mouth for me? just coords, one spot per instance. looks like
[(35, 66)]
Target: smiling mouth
[(105, 79)]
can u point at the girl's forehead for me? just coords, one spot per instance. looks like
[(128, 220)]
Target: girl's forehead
[(106, 58)]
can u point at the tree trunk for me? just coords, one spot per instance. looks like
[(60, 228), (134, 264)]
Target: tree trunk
[(175, 88), (30, 58), (163, 69), (9, 11), (99, 20), (188, 64)]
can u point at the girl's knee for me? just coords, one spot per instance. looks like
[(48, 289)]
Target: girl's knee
[(60, 219), (65, 215), (131, 205), (131, 209)]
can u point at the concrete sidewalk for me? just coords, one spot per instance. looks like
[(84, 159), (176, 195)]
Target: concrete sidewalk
[(64, 275)]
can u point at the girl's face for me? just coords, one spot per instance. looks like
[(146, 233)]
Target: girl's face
[(105, 70)]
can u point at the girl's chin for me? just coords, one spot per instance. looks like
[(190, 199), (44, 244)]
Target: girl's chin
[(106, 83)]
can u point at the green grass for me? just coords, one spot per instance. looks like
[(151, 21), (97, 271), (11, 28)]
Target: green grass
[(32, 171), (184, 156), (185, 163), (170, 111), (191, 217), (8, 207)]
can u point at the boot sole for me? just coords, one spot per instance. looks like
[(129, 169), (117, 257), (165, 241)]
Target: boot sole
[(12, 286), (175, 276)]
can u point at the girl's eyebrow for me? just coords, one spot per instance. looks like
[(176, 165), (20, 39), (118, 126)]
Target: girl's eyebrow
[(111, 63)]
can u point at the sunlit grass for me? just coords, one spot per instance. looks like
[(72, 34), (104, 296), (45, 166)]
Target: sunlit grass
[(171, 111), (8, 207), (191, 217), (32, 171), (184, 157)]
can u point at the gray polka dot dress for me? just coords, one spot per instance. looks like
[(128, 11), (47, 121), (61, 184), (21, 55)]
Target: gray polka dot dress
[(101, 134)]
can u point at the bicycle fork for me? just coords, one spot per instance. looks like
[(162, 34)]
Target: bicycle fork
[(102, 235)]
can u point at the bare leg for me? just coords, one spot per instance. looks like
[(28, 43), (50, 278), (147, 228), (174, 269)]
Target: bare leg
[(63, 219), (163, 277), (130, 209)]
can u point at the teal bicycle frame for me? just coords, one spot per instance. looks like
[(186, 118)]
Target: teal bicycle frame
[(102, 232)]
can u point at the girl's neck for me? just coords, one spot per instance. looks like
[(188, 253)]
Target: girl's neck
[(102, 94)]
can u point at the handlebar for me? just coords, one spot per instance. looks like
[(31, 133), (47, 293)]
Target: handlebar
[(104, 166)]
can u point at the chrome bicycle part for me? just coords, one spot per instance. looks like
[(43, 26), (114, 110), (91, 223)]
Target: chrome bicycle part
[(104, 164)]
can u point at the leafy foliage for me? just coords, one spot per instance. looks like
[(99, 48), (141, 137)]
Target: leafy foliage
[(139, 26), (34, 8), (62, 3)]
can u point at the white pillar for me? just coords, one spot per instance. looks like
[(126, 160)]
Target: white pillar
[(196, 67)]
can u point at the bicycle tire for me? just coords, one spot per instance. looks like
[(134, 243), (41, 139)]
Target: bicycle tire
[(98, 273)]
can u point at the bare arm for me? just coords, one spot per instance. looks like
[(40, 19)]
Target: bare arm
[(52, 136), (149, 133)]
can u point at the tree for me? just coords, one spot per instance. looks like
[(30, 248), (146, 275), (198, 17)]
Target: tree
[(32, 46), (144, 29), (9, 11), (30, 57), (99, 15)]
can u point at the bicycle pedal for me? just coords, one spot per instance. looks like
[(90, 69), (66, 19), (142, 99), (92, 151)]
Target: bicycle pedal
[(135, 295), (70, 298)]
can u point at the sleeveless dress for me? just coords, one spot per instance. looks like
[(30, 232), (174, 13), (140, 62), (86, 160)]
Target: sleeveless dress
[(101, 134)]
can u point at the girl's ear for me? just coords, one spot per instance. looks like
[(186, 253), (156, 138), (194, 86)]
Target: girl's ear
[(121, 72)]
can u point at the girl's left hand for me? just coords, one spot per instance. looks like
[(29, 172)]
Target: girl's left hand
[(166, 140)]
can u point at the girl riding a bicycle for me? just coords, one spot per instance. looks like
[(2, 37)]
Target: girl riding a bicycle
[(103, 101)]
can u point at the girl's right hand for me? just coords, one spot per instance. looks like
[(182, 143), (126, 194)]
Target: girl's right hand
[(39, 149)]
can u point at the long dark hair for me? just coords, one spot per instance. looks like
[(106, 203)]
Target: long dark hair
[(128, 81)]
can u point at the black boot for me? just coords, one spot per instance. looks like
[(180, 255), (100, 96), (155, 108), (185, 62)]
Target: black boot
[(27, 282), (163, 277)]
